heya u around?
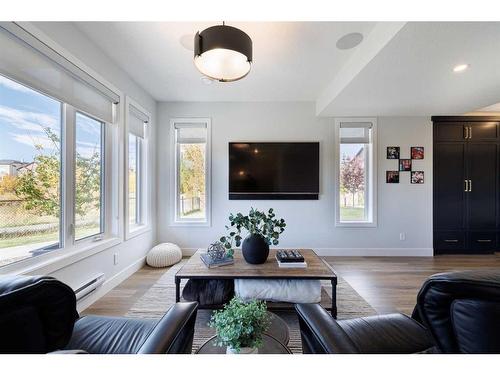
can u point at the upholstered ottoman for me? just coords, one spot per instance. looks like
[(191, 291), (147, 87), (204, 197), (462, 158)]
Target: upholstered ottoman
[(164, 255)]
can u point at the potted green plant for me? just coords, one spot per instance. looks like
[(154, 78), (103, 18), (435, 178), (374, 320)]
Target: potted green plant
[(263, 230), (240, 326)]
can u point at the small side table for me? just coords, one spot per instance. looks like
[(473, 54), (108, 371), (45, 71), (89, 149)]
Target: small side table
[(269, 346)]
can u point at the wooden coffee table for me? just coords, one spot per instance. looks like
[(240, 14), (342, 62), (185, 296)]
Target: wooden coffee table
[(317, 269)]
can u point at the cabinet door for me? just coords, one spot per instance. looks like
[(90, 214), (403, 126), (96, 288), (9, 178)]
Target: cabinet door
[(482, 171), (449, 131), (483, 131), (449, 190)]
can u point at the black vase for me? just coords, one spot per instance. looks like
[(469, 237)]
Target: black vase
[(255, 249)]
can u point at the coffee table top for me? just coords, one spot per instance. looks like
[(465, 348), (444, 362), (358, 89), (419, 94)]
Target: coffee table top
[(269, 346), (194, 268)]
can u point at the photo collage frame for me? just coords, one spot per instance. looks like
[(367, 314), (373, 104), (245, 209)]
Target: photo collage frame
[(405, 165)]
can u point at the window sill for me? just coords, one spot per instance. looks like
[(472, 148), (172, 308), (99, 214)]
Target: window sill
[(53, 261), (137, 231), (189, 224), (360, 224)]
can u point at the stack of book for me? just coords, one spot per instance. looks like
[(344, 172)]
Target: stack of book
[(212, 263), (290, 259)]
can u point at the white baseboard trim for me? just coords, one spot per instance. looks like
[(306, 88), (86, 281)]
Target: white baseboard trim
[(358, 252), (110, 284), (376, 252)]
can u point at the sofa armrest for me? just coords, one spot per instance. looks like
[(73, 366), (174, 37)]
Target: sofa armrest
[(320, 333), (174, 332), (382, 334), (387, 334)]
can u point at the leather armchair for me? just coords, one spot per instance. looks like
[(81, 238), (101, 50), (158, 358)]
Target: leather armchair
[(456, 312), (38, 315)]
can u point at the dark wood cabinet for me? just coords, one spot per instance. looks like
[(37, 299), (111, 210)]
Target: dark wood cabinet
[(466, 184)]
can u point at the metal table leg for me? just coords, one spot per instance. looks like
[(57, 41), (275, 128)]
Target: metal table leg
[(177, 289), (334, 298)]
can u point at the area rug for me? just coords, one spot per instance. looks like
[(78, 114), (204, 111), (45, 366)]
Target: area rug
[(158, 299)]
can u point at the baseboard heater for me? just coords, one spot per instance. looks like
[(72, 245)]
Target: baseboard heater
[(89, 287)]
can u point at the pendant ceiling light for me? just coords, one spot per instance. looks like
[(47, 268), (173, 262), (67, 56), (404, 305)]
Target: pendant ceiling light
[(223, 53)]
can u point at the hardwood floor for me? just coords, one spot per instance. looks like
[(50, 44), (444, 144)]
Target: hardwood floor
[(389, 284)]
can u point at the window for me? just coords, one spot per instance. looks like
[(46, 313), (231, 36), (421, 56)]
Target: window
[(137, 206), (134, 181), (192, 171), (56, 143), (89, 181), (30, 172), (356, 172)]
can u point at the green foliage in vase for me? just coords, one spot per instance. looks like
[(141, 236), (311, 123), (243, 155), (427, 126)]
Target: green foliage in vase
[(256, 222), (240, 324)]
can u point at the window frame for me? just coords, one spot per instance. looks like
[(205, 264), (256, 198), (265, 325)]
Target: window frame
[(143, 192), (70, 251), (174, 175), (371, 179)]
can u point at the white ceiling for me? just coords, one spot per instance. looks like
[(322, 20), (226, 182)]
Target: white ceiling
[(293, 61), (398, 69), (413, 74)]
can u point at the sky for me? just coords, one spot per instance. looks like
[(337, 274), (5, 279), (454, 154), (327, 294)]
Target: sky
[(24, 113)]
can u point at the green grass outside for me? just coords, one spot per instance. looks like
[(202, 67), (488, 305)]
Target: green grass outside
[(81, 232), (352, 213), (27, 240)]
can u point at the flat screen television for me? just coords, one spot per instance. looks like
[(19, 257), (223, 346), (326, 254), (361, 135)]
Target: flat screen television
[(273, 170)]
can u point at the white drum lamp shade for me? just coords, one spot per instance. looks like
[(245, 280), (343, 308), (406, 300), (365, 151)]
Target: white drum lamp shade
[(223, 53)]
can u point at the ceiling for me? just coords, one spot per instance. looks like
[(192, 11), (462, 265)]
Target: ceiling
[(398, 69), (413, 73), (293, 61)]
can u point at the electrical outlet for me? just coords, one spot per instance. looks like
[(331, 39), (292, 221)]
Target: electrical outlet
[(115, 258), (402, 236)]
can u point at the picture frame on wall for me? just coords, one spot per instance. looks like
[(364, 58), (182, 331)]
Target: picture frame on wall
[(405, 165), (392, 177), (393, 152), (417, 152), (417, 177)]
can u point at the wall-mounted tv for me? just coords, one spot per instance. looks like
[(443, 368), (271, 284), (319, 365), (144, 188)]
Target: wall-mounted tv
[(273, 170)]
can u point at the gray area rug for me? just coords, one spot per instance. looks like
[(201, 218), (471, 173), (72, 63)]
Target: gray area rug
[(158, 299)]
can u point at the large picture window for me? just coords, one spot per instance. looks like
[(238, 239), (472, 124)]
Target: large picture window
[(30, 172), (192, 170), (356, 183), (56, 144)]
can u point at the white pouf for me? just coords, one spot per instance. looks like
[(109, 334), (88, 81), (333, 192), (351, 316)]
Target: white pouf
[(164, 255)]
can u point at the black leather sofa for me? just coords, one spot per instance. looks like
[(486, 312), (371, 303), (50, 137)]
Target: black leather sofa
[(38, 315), (457, 312)]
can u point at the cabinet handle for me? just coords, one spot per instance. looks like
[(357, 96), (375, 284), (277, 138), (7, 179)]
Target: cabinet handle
[(450, 240), (470, 132), (470, 185), (465, 186), (483, 240), (466, 132)]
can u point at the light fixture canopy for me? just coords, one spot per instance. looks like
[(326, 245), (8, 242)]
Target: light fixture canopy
[(223, 53)]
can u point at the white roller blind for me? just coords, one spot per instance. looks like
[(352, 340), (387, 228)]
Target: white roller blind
[(191, 133), (29, 61), (355, 132), (137, 121)]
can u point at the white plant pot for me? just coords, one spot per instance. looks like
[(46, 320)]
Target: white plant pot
[(243, 350)]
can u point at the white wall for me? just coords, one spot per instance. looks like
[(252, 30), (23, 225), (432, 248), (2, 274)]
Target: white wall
[(401, 207), (131, 253)]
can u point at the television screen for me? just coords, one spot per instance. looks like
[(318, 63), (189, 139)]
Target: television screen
[(274, 170)]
